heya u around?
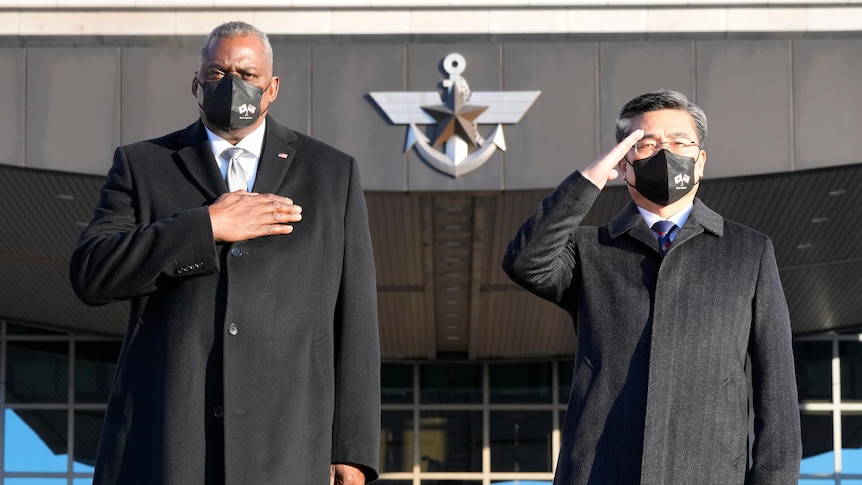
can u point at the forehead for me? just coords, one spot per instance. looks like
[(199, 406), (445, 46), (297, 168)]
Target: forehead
[(665, 123), (245, 51)]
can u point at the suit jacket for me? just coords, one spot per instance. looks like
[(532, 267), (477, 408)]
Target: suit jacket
[(255, 362), (659, 394)]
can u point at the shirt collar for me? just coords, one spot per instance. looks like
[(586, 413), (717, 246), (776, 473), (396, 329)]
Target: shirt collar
[(678, 218), (252, 143)]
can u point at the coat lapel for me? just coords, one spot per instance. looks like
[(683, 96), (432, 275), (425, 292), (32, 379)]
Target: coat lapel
[(702, 219), (275, 158), (630, 221), (196, 160)]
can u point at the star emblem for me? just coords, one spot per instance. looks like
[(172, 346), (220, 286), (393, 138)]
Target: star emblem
[(455, 117), (455, 121)]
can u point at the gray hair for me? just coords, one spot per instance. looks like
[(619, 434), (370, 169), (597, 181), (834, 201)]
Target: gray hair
[(237, 29), (658, 100)]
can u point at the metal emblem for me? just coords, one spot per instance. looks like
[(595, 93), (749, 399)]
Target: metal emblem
[(455, 116)]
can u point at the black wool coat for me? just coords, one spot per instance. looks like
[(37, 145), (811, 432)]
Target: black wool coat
[(659, 394), (255, 362)]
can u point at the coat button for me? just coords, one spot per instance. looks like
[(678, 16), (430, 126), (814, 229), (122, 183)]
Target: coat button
[(236, 252), (218, 411), (232, 329)]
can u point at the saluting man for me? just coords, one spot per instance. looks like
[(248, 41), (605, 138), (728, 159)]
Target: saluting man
[(668, 300)]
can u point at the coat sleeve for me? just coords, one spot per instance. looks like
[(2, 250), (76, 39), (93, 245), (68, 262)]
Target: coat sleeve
[(122, 255), (542, 255), (356, 427), (777, 446)]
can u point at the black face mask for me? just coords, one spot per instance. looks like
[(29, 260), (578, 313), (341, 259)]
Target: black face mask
[(665, 177), (230, 103)]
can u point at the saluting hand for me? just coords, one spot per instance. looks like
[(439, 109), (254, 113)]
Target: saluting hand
[(241, 215), (604, 167)]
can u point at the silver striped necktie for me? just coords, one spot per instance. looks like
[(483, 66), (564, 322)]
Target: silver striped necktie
[(236, 179)]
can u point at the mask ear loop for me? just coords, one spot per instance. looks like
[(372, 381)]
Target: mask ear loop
[(626, 178), (632, 165), (199, 86), (266, 110), (695, 163)]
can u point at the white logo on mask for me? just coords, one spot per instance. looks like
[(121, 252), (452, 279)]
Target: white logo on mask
[(247, 109), (682, 181)]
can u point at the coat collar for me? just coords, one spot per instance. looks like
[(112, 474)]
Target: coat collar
[(196, 157), (630, 221)]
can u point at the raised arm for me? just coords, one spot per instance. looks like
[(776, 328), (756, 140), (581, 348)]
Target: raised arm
[(542, 255)]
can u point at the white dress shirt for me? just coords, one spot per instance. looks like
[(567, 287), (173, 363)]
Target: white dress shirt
[(252, 144)]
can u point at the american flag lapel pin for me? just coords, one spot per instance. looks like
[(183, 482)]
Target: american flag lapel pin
[(282, 155)]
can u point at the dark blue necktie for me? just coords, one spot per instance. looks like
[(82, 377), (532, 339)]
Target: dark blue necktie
[(664, 230)]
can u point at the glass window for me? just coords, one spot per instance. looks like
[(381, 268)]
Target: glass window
[(396, 382), (450, 482), (850, 357), (451, 383), (88, 427), (95, 363), (41, 426), (564, 379), (521, 482), (36, 441), (450, 441), (37, 372), (851, 442), (396, 441), (817, 446), (813, 370), (41, 481), (14, 329), (520, 441), (520, 382)]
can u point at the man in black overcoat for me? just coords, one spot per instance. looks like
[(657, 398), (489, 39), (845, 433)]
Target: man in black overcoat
[(674, 306), (252, 353)]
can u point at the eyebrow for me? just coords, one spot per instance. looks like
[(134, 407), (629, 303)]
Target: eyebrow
[(671, 135), (222, 67)]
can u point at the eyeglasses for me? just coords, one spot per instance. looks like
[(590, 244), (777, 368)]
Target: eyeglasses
[(680, 146)]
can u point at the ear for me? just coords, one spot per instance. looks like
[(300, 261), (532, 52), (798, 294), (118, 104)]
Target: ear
[(623, 167), (698, 167), (195, 84), (272, 90)]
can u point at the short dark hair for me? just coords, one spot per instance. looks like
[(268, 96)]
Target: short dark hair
[(658, 100), (237, 29)]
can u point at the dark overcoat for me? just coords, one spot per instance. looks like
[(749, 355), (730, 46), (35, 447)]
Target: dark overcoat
[(659, 394), (255, 362)]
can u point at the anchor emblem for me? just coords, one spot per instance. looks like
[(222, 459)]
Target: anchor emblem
[(455, 116)]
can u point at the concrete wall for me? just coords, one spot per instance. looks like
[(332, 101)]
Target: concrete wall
[(776, 103)]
